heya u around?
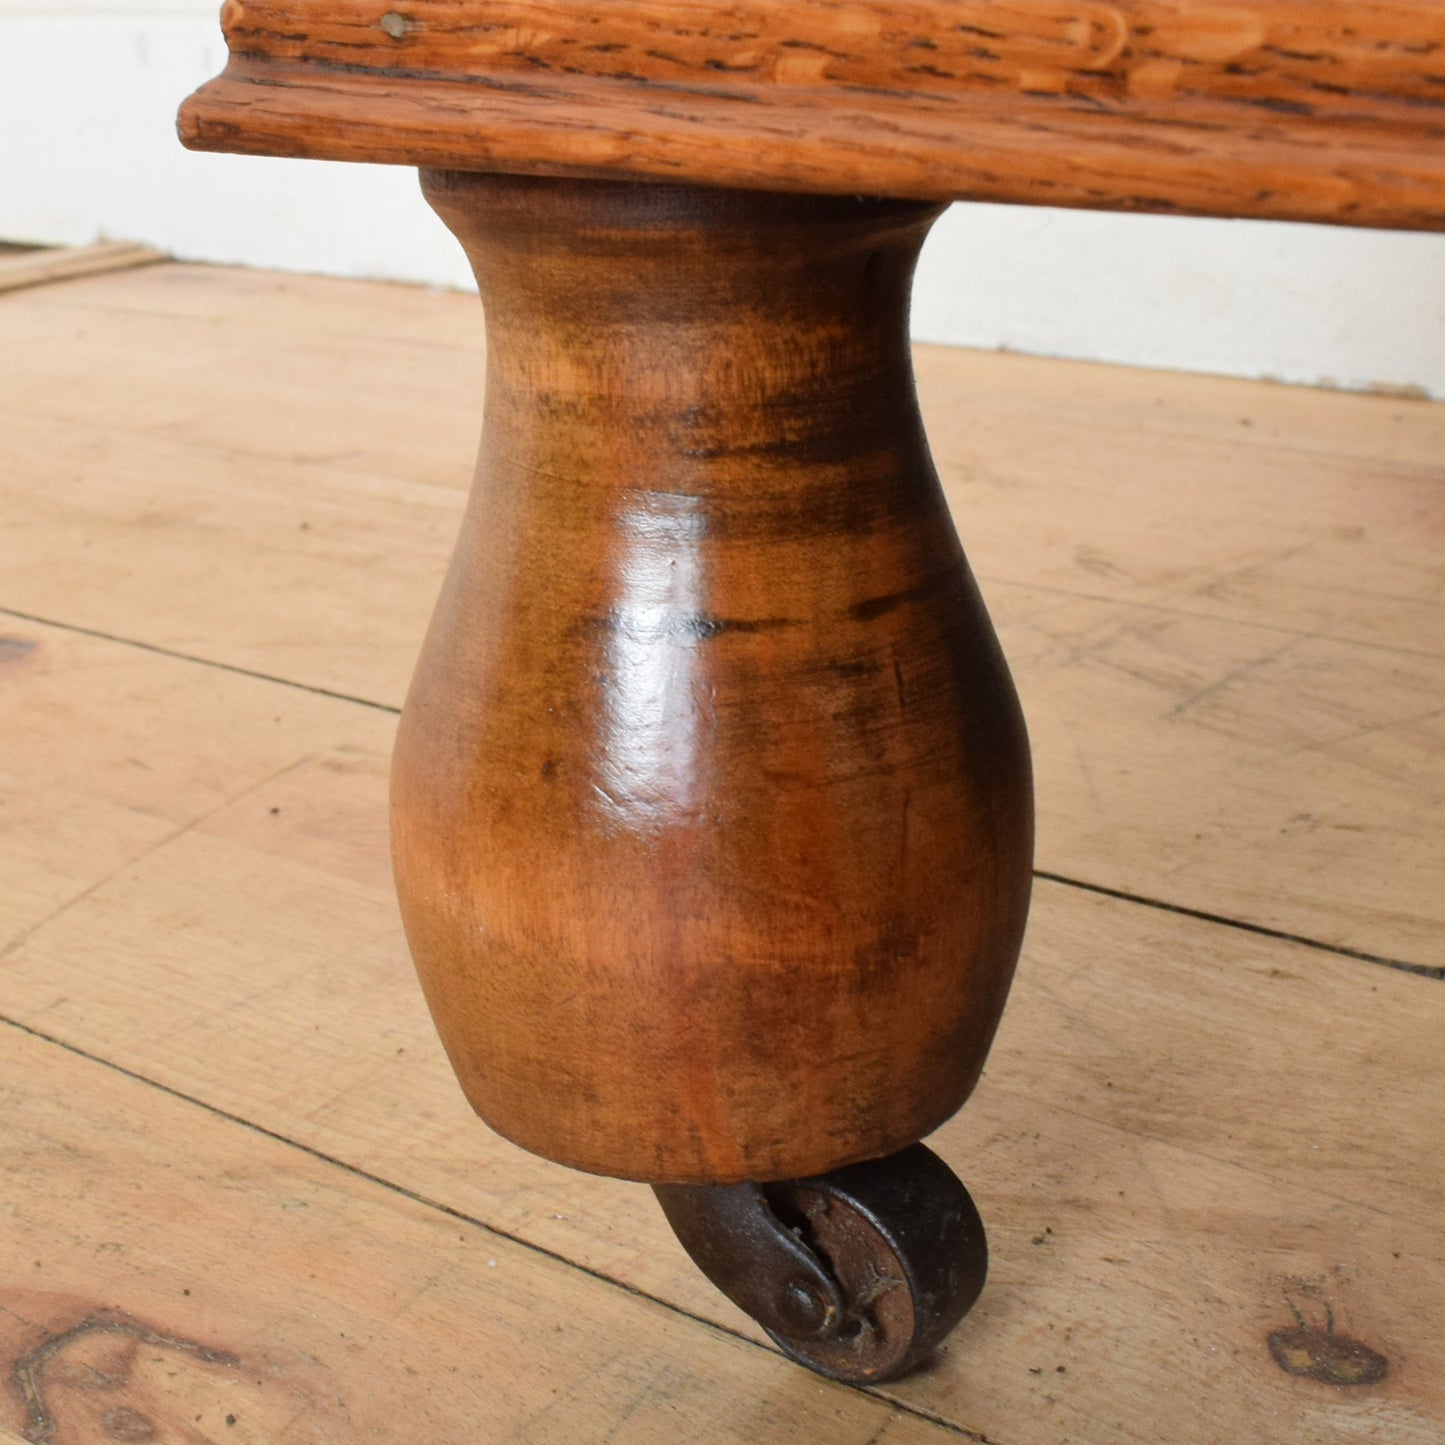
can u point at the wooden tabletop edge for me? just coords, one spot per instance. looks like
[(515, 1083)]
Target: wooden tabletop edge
[(1201, 159)]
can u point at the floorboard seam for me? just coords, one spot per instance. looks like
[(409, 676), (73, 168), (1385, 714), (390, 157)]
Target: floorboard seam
[(451, 1212), (1259, 929), (1423, 970), (179, 656)]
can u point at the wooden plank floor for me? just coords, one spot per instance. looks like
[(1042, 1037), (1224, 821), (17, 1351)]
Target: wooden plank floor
[(240, 1197)]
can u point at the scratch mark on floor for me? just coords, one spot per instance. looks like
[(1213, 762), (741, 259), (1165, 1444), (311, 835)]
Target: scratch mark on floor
[(1232, 676), (20, 939), (1325, 744)]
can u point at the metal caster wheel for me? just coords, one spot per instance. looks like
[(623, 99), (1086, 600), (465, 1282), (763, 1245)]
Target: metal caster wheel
[(858, 1273)]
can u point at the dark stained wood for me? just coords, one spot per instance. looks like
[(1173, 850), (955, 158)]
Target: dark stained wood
[(1326, 110), (712, 814)]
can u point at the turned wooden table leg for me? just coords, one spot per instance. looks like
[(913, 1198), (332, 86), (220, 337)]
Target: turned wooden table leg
[(711, 800)]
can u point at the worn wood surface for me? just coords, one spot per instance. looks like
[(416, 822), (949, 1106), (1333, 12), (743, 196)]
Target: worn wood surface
[(170, 1275), (1236, 712), (1326, 110), (1186, 1133), (1179, 1134), (711, 776)]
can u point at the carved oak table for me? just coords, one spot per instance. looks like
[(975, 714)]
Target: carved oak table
[(712, 816)]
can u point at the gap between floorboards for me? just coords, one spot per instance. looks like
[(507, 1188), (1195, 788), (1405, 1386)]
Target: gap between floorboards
[(1423, 970)]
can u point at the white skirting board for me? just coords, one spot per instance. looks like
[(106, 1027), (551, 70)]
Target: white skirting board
[(89, 89)]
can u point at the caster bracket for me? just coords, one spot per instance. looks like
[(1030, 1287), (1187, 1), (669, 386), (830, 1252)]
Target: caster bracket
[(760, 1264)]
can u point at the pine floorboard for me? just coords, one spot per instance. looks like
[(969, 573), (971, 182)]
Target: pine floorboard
[(1214, 1106)]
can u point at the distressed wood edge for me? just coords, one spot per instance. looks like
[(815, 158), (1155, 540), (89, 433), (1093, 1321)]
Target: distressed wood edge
[(1267, 57), (41, 268), (1204, 161)]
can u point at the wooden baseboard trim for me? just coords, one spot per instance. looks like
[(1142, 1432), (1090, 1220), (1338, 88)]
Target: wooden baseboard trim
[(40, 268)]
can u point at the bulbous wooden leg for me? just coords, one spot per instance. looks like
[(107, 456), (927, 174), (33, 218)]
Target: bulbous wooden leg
[(711, 801)]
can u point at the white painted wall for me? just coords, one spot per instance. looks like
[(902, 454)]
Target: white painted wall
[(1323, 305), (88, 149), (89, 88)]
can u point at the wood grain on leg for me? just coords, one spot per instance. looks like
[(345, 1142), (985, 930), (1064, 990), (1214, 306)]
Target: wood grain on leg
[(712, 810)]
